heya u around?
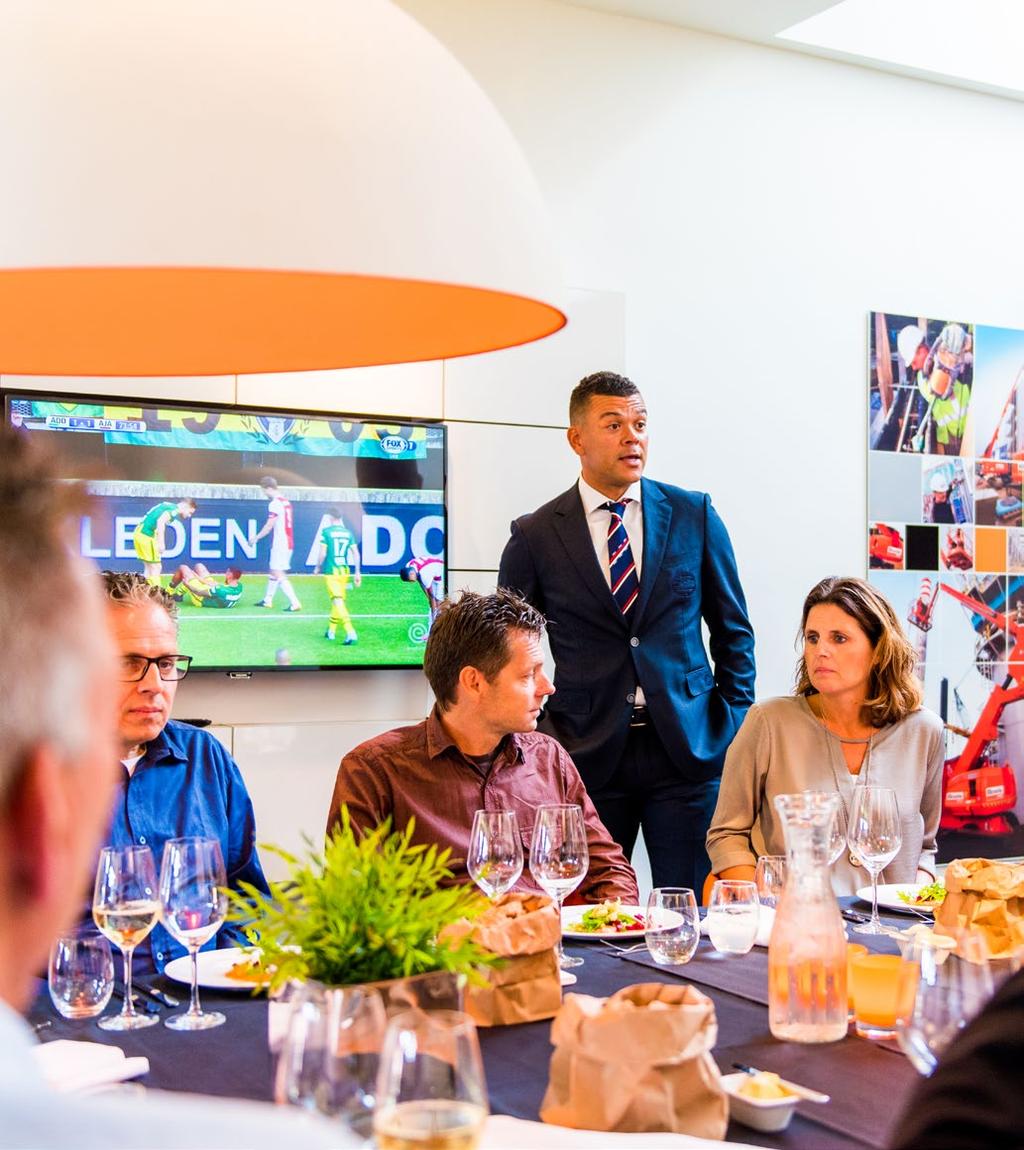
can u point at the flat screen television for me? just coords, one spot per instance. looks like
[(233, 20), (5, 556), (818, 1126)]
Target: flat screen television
[(182, 490)]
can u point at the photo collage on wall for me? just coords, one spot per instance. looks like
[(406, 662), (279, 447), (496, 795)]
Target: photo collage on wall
[(946, 547)]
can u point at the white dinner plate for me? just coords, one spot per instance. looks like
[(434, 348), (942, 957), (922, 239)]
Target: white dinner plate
[(889, 896), (212, 967), (571, 916)]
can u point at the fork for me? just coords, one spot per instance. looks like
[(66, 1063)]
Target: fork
[(622, 949)]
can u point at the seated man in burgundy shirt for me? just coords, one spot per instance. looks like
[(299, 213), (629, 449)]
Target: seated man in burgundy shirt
[(478, 749)]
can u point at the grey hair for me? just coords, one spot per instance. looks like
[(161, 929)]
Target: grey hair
[(52, 631), (129, 589)]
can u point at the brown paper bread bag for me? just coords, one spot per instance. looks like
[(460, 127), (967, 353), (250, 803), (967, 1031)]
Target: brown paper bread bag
[(638, 1061), (984, 899), (525, 987)]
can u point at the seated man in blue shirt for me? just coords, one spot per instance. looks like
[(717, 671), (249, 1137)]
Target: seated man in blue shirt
[(176, 780)]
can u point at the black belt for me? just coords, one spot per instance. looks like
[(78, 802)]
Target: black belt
[(639, 717)]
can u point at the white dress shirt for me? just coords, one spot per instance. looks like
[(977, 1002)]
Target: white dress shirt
[(599, 520)]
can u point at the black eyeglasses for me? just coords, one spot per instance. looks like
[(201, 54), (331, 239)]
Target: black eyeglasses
[(170, 668)]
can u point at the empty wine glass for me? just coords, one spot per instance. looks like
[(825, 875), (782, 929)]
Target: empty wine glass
[(874, 836), (733, 915), (495, 852), (672, 929), (192, 884), (559, 858), (770, 878), (80, 975), (430, 1089), (330, 1056), (939, 993), (126, 906)]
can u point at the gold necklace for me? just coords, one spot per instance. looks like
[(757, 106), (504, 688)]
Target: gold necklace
[(865, 770), (825, 719)]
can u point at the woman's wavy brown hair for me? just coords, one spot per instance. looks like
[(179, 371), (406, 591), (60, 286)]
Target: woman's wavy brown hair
[(893, 689)]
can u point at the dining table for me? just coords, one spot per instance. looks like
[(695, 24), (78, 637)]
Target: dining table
[(868, 1081)]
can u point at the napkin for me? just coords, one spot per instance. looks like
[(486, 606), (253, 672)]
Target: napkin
[(70, 1066), (765, 920), (502, 1133)]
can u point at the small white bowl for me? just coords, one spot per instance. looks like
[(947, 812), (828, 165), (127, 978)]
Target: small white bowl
[(766, 1114)]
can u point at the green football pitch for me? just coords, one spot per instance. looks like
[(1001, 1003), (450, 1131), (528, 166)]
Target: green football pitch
[(390, 618)]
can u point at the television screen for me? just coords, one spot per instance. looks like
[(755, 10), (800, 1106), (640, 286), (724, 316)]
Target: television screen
[(291, 540)]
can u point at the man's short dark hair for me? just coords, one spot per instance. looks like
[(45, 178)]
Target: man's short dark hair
[(128, 589), (473, 631), (234, 573), (600, 383), (269, 482), (188, 501)]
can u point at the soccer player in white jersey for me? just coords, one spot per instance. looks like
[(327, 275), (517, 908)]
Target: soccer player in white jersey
[(282, 543), (429, 573)]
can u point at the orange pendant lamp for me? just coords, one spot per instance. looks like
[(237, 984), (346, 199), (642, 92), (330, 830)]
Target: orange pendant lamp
[(209, 187)]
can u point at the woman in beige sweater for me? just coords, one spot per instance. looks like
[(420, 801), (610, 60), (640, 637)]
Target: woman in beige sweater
[(856, 716)]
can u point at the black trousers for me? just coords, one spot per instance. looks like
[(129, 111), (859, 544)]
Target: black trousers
[(647, 793)]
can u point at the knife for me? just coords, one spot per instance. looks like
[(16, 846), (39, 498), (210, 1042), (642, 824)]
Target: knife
[(159, 995), (800, 1091)]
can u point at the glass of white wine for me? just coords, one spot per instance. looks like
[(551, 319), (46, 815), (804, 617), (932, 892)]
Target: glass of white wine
[(559, 858), (495, 852), (192, 882), (126, 906), (431, 1093)]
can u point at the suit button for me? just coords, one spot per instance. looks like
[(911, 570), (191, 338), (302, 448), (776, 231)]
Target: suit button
[(631, 698), (634, 642)]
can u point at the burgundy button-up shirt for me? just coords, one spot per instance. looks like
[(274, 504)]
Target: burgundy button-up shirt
[(418, 772)]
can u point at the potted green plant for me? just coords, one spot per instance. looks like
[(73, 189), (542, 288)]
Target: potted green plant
[(369, 908)]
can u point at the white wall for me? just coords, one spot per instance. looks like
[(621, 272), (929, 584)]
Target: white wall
[(735, 212)]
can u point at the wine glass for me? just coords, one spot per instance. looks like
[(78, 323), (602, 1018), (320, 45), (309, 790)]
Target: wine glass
[(495, 852), (430, 1088), (80, 975), (192, 884), (733, 916), (874, 836), (559, 858), (939, 993), (330, 1056), (126, 906), (770, 878), (672, 929)]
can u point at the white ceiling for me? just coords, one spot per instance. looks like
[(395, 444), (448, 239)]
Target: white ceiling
[(760, 20)]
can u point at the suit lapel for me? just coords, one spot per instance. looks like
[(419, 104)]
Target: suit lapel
[(572, 528), (657, 513)]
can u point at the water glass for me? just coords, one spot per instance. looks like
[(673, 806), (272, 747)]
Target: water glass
[(495, 859), (430, 1089), (770, 877), (733, 913), (330, 1056), (874, 836), (80, 975), (192, 882), (939, 994), (673, 925), (559, 858)]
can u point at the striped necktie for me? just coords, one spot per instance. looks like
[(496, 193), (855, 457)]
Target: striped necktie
[(624, 580)]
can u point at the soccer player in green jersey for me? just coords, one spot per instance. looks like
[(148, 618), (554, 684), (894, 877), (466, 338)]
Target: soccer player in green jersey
[(338, 559), (148, 537), (202, 589)]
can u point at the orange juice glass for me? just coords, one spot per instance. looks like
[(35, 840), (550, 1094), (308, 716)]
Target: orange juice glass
[(875, 979), (853, 949)]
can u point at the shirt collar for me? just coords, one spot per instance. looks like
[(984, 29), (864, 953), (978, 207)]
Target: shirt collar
[(439, 741), (166, 749), (594, 499)]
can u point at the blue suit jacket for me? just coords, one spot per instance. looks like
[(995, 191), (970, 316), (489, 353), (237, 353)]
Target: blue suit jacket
[(688, 573)]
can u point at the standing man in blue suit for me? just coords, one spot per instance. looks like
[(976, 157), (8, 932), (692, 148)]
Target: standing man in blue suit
[(625, 570)]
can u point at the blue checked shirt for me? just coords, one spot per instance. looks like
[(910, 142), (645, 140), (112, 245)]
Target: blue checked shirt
[(187, 784)]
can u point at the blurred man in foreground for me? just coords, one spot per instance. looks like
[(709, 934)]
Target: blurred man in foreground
[(57, 769), (479, 747)]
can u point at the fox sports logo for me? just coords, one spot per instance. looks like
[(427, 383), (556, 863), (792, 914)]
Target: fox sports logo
[(396, 445)]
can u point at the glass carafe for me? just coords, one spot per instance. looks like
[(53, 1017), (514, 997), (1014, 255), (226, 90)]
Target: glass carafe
[(807, 952)]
